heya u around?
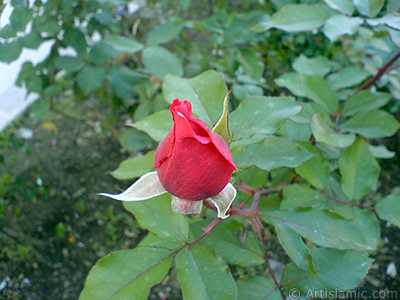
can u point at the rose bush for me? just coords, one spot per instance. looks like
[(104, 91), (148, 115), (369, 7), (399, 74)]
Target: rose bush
[(193, 164)]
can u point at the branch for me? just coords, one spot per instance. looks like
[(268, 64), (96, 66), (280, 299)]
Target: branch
[(348, 203), (264, 192), (278, 286), (382, 71), (378, 75), (207, 230)]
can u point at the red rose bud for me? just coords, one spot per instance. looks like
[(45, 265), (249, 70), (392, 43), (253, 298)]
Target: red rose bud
[(192, 162)]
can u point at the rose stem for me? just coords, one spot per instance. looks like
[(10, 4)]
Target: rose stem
[(207, 230), (348, 203), (273, 276)]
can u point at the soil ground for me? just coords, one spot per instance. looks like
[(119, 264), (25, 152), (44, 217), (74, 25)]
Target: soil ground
[(54, 226)]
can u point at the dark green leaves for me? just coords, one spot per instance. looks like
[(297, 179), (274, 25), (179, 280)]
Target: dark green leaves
[(369, 8), (156, 125), (389, 209), (365, 101), (295, 248), (123, 44), (164, 33), (125, 273), (272, 153), (251, 64), (225, 240), (91, 79), (324, 228), (336, 270), (262, 116), (324, 131), (256, 288), (160, 62), (203, 275), (359, 170), (135, 167), (372, 124), (295, 18), (206, 92), (157, 216)]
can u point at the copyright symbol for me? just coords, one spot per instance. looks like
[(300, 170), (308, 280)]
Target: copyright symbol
[(294, 294)]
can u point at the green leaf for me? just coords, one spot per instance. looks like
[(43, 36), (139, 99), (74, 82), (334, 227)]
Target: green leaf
[(157, 216), (389, 209), (372, 124), (127, 274), (294, 246), (256, 288), (29, 77), (91, 79), (339, 25), (292, 81), (156, 125), (336, 270), (253, 176), (101, 53), (123, 44), (347, 77), (272, 153), (322, 227), (10, 51), (380, 151), (393, 6), (368, 223), (69, 64), (7, 32), (365, 101), (206, 92), (359, 170), (32, 40), (344, 6), (246, 91), (238, 31), (251, 64), (296, 18), (369, 8), (135, 167), (296, 131), (299, 195), (160, 62), (74, 38), (320, 91), (225, 240), (204, 275), (123, 81), (391, 20), (134, 140), (20, 17), (262, 116), (39, 109), (324, 132), (164, 33), (316, 170), (222, 127), (315, 66)]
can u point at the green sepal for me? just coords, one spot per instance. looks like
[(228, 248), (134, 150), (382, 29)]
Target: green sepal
[(222, 126)]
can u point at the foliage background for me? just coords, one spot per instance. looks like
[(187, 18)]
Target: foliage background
[(315, 91)]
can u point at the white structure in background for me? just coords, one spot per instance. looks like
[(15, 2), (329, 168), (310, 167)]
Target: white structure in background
[(14, 99)]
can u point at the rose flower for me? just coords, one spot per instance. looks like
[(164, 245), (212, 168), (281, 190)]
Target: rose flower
[(192, 163)]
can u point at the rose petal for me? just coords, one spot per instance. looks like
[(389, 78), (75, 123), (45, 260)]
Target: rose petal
[(224, 200), (146, 187), (186, 207)]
